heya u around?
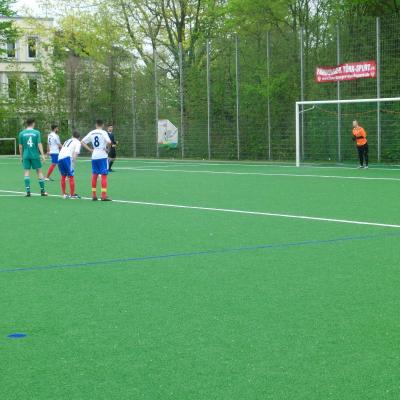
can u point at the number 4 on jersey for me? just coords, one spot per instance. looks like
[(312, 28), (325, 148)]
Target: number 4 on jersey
[(30, 142)]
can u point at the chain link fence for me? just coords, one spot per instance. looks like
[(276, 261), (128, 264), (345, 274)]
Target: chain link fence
[(232, 97)]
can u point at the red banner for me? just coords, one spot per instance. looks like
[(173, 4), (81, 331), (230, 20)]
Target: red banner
[(346, 72)]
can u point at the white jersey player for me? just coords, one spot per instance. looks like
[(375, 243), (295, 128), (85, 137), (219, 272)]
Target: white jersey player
[(66, 161), (53, 148), (53, 142), (100, 143), (71, 148)]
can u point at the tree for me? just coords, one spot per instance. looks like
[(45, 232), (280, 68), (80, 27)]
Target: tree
[(7, 30), (372, 8)]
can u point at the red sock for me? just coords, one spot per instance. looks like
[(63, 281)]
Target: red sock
[(50, 171), (94, 185), (71, 185), (103, 186), (63, 178)]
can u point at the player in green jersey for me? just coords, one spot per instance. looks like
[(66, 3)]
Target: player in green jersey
[(31, 151)]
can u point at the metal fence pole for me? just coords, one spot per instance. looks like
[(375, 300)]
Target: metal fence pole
[(91, 73), (156, 98), (237, 97), (339, 107), (208, 101), (133, 108), (378, 86), (268, 98), (182, 135), (302, 88)]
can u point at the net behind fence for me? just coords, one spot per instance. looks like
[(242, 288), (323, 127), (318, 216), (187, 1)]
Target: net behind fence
[(327, 132)]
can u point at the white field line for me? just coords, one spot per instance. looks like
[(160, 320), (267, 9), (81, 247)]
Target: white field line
[(234, 211), (267, 164), (188, 171)]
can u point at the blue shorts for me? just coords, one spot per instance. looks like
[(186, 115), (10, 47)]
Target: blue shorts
[(100, 167), (54, 158), (65, 167)]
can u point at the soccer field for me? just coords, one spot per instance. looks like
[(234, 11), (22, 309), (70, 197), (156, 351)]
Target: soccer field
[(202, 280)]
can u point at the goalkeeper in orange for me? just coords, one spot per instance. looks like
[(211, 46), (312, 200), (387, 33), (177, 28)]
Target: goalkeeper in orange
[(360, 137)]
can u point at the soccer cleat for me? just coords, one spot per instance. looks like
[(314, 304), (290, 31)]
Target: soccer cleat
[(94, 198), (44, 194), (28, 194), (49, 179), (75, 196), (105, 199), (65, 196), (366, 167), (361, 167), (111, 170)]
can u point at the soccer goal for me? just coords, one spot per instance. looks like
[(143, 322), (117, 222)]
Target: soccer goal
[(324, 130), (8, 146)]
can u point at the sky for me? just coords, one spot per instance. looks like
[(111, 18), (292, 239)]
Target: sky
[(21, 5)]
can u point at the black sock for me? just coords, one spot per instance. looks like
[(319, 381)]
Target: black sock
[(111, 163)]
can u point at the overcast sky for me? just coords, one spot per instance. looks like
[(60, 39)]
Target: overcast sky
[(32, 5)]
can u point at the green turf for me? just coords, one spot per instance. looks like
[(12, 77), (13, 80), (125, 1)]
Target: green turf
[(315, 316)]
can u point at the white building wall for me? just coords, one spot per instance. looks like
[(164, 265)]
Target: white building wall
[(22, 63)]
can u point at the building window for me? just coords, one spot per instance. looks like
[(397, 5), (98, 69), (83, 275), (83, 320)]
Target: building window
[(32, 47), (12, 87), (11, 50), (33, 87)]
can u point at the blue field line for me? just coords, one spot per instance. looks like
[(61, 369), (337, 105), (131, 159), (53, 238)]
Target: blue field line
[(202, 253)]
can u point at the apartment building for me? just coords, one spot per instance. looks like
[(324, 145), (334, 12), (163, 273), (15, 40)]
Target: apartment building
[(19, 60)]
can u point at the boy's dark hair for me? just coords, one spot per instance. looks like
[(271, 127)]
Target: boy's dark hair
[(76, 134), (54, 127), (99, 122), (110, 124), (30, 121)]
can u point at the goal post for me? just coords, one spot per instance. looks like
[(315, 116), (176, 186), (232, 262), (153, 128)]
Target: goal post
[(323, 129), (8, 148)]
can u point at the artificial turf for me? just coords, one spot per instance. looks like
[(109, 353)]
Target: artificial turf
[(135, 301)]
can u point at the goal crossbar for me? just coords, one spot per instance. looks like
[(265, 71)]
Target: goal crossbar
[(337, 102)]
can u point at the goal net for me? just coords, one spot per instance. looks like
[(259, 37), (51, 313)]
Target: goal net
[(8, 146), (324, 130)]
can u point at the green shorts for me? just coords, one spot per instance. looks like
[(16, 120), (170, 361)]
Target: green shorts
[(33, 163)]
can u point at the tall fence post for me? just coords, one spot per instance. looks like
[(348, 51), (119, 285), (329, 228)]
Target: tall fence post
[(208, 101), (339, 107), (133, 108), (92, 117), (302, 88), (156, 98), (378, 86), (237, 97), (268, 98), (181, 83)]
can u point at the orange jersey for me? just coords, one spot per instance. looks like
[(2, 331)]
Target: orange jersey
[(360, 135)]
